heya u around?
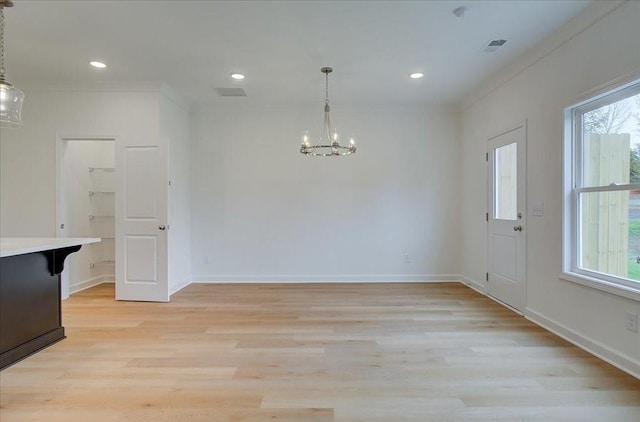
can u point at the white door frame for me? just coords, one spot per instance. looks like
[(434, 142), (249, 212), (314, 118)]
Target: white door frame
[(511, 293), (61, 210)]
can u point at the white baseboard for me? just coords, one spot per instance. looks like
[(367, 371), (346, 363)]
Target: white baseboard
[(480, 288), (385, 278), (179, 286), (602, 351), (86, 284)]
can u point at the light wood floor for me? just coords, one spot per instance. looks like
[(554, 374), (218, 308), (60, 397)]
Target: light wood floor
[(322, 352)]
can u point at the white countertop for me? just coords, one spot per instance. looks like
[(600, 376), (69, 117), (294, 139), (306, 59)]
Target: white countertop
[(10, 246)]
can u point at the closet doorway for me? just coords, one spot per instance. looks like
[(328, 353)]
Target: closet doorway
[(85, 198)]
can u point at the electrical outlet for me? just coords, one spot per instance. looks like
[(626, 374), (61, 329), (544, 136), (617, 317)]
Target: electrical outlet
[(632, 321), (407, 259), (205, 259)]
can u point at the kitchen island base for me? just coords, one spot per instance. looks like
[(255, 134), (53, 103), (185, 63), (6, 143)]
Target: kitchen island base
[(30, 302)]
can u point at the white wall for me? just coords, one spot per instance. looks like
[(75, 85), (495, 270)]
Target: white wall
[(27, 155), (28, 162), (603, 52), (261, 211), (174, 125)]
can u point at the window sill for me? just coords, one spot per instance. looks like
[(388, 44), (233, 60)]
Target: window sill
[(602, 285)]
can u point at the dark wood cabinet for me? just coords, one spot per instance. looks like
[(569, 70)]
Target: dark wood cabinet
[(30, 303)]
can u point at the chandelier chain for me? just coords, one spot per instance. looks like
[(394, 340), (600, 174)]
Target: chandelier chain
[(327, 121), (326, 88)]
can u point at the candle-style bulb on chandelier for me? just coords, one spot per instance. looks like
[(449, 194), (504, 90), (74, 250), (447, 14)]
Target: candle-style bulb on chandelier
[(11, 98), (329, 143)]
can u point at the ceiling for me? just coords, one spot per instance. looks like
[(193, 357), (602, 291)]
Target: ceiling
[(193, 46)]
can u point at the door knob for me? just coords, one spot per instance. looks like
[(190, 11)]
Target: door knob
[(517, 228), (161, 227)]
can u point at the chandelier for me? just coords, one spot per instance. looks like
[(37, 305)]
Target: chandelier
[(329, 143), (10, 97)]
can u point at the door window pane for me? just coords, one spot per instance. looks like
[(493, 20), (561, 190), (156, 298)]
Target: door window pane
[(505, 176)]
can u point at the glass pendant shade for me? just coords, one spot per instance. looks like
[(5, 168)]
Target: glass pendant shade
[(11, 99)]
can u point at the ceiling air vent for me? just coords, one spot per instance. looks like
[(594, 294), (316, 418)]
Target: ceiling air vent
[(231, 92), (494, 45)]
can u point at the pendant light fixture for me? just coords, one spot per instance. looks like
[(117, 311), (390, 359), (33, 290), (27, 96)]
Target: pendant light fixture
[(329, 143), (10, 97)]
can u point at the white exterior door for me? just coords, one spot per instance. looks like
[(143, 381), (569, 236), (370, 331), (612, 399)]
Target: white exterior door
[(506, 278), (141, 222)]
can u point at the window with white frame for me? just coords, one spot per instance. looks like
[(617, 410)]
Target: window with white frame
[(602, 188)]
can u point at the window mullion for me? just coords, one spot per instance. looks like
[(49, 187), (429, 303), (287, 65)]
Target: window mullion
[(578, 149), (610, 188)]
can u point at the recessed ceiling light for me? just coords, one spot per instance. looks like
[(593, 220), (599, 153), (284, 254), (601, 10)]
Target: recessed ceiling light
[(416, 75), (237, 76), (99, 65)]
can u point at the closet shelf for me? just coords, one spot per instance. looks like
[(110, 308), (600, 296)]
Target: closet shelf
[(101, 263), (93, 217), (105, 169), (100, 192)]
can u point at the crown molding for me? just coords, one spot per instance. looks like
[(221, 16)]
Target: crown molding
[(176, 97), (583, 21), (140, 86), (144, 87), (261, 106)]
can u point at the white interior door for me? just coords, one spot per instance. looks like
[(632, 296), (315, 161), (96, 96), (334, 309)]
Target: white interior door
[(506, 234), (141, 222)]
